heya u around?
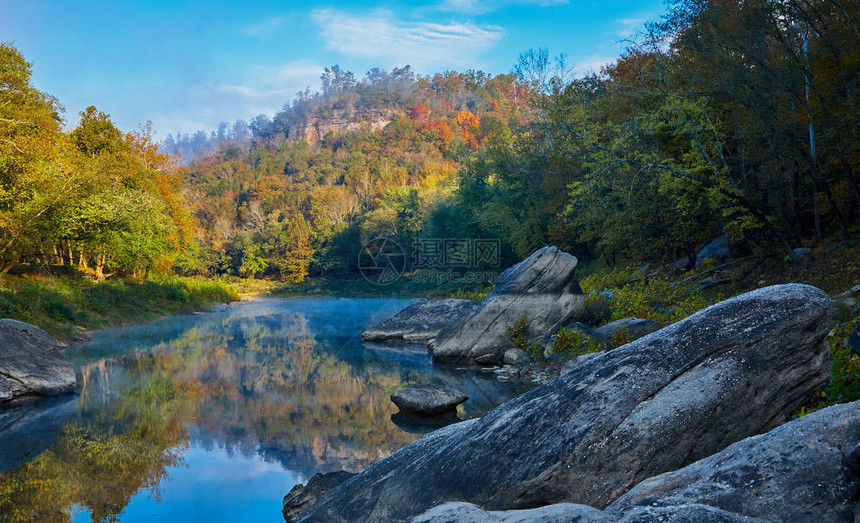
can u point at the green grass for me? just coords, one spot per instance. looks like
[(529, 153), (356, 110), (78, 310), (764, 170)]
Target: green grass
[(69, 304), (402, 288)]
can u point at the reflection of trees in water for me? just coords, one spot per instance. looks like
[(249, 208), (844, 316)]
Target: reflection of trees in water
[(262, 385), (93, 469)]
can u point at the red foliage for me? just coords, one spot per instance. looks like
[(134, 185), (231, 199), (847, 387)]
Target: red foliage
[(420, 113)]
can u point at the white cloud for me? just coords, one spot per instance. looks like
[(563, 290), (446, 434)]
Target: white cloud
[(265, 91), (264, 27), (591, 64), (627, 27), (299, 73), (381, 37), (486, 6)]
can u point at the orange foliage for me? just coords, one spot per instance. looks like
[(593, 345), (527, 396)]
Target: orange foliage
[(470, 128), (441, 133)]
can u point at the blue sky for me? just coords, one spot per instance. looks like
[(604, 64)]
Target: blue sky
[(189, 65)]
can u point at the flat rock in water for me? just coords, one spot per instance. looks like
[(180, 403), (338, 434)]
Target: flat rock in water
[(735, 369), (31, 363), (301, 497), (805, 470), (541, 288), (429, 400), (420, 323)]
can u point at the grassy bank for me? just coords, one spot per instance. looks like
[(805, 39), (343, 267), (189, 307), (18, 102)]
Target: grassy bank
[(402, 288), (68, 305)]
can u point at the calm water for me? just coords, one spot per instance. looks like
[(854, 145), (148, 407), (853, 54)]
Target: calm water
[(214, 417)]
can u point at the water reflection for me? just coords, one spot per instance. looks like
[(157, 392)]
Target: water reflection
[(233, 407)]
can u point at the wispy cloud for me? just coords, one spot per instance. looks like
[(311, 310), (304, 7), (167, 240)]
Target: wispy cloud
[(382, 37), (627, 27), (298, 73), (591, 64), (486, 6), (264, 27), (266, 92), (261, 89)]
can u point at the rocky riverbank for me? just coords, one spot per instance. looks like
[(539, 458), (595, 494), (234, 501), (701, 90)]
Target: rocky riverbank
[(688, 423)]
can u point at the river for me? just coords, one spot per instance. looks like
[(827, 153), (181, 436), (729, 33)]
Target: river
[(215, 416)]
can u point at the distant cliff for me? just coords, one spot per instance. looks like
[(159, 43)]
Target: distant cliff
[(314, 128)]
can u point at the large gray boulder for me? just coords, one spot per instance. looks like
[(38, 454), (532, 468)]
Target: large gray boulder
[(31, 363), (420, 323), (460, 512), (427, 400), (661, 402), (805, 470), (542, 288)]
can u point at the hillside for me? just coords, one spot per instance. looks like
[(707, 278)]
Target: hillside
[(719, 120), (357, 161)]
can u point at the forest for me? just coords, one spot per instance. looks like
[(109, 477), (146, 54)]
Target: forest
[(723, 117)]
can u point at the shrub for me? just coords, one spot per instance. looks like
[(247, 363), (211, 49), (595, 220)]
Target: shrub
[(477, 294), (574, 341), (536, 352), (844, 385), (598, 310), (517, 332), (619, 337)]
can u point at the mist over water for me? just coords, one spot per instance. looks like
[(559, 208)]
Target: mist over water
[(216, 416)]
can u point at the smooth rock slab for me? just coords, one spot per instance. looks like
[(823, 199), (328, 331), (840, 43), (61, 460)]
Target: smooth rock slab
[(579, 360), (735, 369), (460, 512), (542, 288), (31, 363), (420, 323), (805, 470), (428, 400)]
